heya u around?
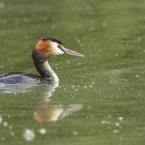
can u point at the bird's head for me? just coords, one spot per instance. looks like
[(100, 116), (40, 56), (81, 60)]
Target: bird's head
[(48, 46)]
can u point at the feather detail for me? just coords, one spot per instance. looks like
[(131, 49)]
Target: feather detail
[(44, 48)]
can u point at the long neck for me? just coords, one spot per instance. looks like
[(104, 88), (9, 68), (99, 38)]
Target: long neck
[(43, 67)]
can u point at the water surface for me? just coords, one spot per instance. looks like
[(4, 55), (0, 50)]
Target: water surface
[(100, 98)]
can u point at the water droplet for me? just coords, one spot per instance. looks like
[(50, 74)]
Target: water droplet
[(78, 40), (28, 135), (120, 118), (12, 133), (117, 124), (42, 130), (109, 116), (75, 133), (5, 124), (115, 131)]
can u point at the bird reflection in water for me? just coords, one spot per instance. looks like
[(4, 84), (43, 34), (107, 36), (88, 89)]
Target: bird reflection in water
[(46, 112)]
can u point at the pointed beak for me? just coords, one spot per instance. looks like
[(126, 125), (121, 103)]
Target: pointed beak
[(71, 52)]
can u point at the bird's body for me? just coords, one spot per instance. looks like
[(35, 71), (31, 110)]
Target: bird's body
[(20, 78), (45, 47)]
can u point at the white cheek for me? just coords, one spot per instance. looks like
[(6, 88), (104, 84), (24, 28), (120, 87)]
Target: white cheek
[(56, 50)]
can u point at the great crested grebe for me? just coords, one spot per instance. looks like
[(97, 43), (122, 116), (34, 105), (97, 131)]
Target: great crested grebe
[(45, 47)]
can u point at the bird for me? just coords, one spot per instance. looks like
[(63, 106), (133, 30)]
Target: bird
[(44, 49)]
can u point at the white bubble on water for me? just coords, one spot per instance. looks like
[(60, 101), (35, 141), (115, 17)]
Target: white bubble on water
[(28, 135), (109, 116), (42, 130), (9, 116), (117, 124), (73, 86), (5, 124), (12, 133), (120, 118), (75, 133), (78, 40), (115, 131)]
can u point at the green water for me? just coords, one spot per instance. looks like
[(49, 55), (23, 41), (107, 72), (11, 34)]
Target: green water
[(100, 98)]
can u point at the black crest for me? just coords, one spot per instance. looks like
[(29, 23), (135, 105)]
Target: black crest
[(52, 39)]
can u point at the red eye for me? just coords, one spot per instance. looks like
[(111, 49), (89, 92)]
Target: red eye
[(59, 46)]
